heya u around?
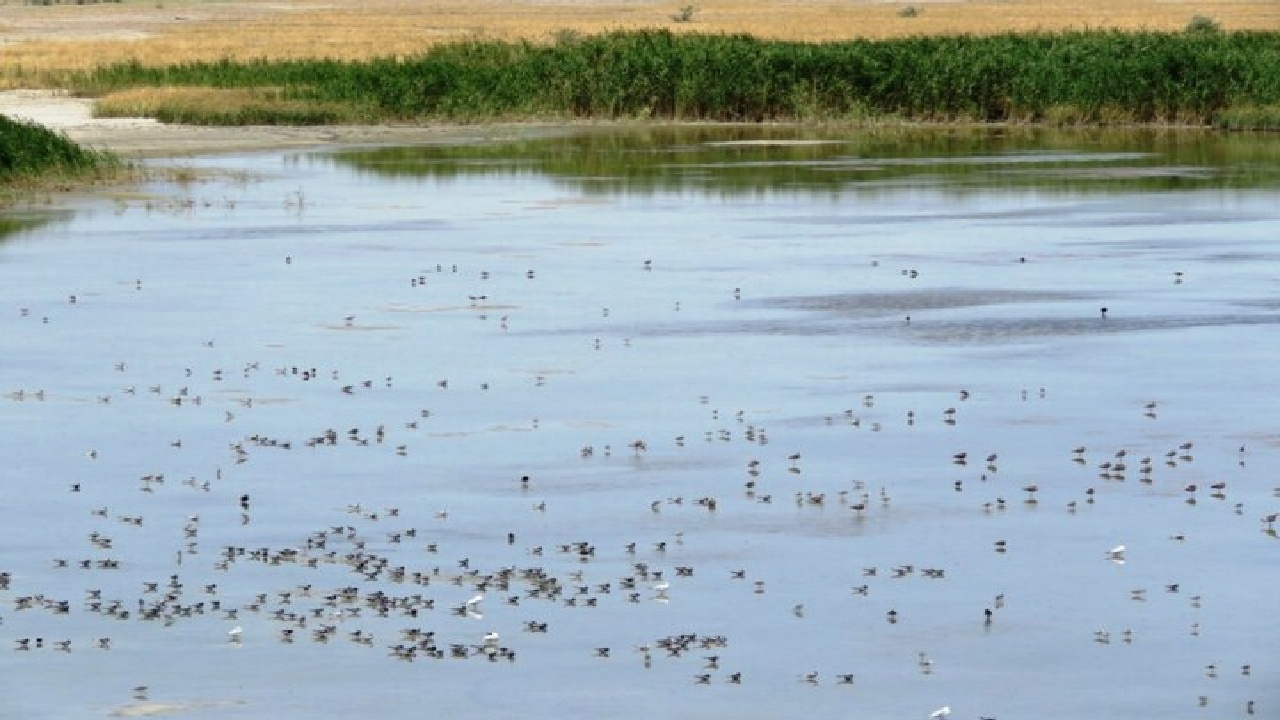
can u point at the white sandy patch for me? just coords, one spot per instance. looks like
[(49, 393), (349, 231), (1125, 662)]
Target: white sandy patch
[(58, 110), (146, 137)]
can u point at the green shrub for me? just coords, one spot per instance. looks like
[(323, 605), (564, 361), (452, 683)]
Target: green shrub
[(1203, 24)]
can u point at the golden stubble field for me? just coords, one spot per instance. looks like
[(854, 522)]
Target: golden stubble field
[(35, 38)]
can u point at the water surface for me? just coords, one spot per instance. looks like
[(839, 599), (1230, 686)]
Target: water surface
[(375, 346)]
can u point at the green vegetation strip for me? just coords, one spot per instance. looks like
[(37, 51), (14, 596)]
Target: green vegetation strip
[(1061, 78), (28, 150), (34, 159)]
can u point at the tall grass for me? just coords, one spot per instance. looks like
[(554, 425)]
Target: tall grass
[(1249, 117), (35, 161), (1076, 77), (213, 106), (29, 150), (41, 40)]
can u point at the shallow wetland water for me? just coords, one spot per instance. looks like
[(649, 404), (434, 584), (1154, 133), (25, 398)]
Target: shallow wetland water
[(845, 357)]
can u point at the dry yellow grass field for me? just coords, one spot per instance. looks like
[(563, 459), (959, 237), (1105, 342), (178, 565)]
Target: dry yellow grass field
[(36, 38)]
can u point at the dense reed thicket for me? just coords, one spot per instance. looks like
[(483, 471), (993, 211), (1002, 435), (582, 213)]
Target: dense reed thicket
[(29, 150), (1076, 77)]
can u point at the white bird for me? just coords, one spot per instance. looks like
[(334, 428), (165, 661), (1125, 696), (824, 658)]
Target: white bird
[(475, 600), (942, 712), (661, 588), (1116, 554), (235, 633), (491, 638)]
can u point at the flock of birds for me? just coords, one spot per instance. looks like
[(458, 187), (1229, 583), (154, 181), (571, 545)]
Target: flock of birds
[(386, 576)]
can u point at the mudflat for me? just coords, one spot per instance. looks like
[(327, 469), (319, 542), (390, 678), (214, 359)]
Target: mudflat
[(145, 137)]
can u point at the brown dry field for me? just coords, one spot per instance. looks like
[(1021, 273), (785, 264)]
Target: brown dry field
[(163, 31)]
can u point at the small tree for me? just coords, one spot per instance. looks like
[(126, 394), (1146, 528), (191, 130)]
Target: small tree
[(1203, 24)]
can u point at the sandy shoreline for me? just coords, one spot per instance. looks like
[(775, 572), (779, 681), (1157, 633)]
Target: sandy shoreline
[(149, 138), (145, 137)]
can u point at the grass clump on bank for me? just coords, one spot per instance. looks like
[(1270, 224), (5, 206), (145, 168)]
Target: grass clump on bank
[(1092, 77), (33, 157), (1249, 117), (218, 106)]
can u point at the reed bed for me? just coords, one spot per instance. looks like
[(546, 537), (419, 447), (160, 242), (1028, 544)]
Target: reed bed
[(1088, 77), (28, 149), (151, 32), (1249, 117), (35, 160)]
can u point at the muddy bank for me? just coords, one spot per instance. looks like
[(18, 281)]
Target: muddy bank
[(145, 137)]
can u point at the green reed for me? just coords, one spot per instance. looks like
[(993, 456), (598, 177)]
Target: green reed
[(1090, 77), (28, 149)]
